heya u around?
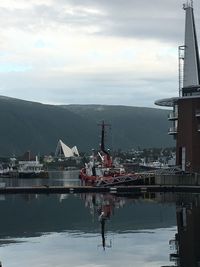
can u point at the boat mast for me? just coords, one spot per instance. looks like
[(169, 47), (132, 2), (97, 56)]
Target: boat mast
[(102, 144), (107, 157)]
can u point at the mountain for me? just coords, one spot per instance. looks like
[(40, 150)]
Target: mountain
[(131, 127), (37, 127), (33, 126)]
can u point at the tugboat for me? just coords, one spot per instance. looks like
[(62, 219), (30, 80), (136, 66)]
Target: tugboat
[(104, 171)]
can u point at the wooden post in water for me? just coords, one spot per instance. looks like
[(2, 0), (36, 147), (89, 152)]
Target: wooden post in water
[(0, 264)]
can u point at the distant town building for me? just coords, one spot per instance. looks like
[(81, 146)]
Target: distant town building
[(185, 117), (27, 156), (48, 158)]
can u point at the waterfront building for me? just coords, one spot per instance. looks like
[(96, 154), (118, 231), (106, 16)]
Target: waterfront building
[(64, 151), (185, 116)]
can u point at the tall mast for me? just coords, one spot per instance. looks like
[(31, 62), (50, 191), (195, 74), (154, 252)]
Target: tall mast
[(191, 73), (107, 160), (102, 145)]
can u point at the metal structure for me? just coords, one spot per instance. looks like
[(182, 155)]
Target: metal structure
[(169, 171), (125, 179)]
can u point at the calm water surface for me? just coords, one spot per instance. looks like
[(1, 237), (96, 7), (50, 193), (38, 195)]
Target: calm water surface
[(99, 230)]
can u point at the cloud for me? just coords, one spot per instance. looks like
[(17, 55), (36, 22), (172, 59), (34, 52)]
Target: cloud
[(96, 51), (142, 19)]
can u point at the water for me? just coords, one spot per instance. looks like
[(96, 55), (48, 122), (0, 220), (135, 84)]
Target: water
[(56, 178), (71, 230)]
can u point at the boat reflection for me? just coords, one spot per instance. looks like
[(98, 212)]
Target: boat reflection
[(186, 242), (103, 205), (104, 215)]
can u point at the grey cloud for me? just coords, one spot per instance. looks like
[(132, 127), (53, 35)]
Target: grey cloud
[(143, 19), (44, 16), (155, 19)]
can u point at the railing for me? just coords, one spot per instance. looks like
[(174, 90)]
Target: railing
[(124, 179), (172, 130), (173, 116)]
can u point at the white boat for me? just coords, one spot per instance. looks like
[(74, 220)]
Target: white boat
[(31, 169)]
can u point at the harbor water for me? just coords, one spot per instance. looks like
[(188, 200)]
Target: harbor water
[(98, 229)]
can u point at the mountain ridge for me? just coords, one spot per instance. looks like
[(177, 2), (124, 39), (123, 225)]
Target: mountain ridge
[(27, 125)]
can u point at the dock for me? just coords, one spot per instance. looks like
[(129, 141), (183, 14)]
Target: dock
[(93, 189)]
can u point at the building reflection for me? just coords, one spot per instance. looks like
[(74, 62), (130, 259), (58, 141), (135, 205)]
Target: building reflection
[(187, 240), (185, 244)]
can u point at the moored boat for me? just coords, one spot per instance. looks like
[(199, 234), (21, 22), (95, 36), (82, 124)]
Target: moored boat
[(29, 169), (101, 169)]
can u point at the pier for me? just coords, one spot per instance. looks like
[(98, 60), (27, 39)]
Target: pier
[(93, 189)]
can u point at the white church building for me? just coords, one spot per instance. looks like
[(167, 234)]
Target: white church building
[(64, 151)]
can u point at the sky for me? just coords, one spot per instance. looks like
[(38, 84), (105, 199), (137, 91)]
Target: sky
[(111, 52)]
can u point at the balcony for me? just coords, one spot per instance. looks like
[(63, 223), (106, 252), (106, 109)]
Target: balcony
[(174, 257), (172, 131), (197, 113), (173, 116), (173, 244)]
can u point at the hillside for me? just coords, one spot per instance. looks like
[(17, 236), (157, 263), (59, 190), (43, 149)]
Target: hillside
[(131, 127), (33, 126), (37, 127)]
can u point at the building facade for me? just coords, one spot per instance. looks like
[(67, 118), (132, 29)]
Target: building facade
[(185, 116)]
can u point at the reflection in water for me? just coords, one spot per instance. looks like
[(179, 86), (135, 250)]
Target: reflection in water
[(102, 219), (104, 211), (135, 228), (52, 231), (56, 178), (186, 243)]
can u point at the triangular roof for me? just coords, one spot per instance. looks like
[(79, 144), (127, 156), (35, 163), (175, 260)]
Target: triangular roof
[(75, 151), (62, 150)]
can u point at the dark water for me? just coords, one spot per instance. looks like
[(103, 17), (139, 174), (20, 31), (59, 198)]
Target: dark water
[(67, 230), (56, 178)]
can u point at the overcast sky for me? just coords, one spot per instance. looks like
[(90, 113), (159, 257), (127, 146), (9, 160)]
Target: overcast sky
[(91, 51)]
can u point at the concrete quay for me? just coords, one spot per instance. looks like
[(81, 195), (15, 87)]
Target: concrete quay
[(92, 189)]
